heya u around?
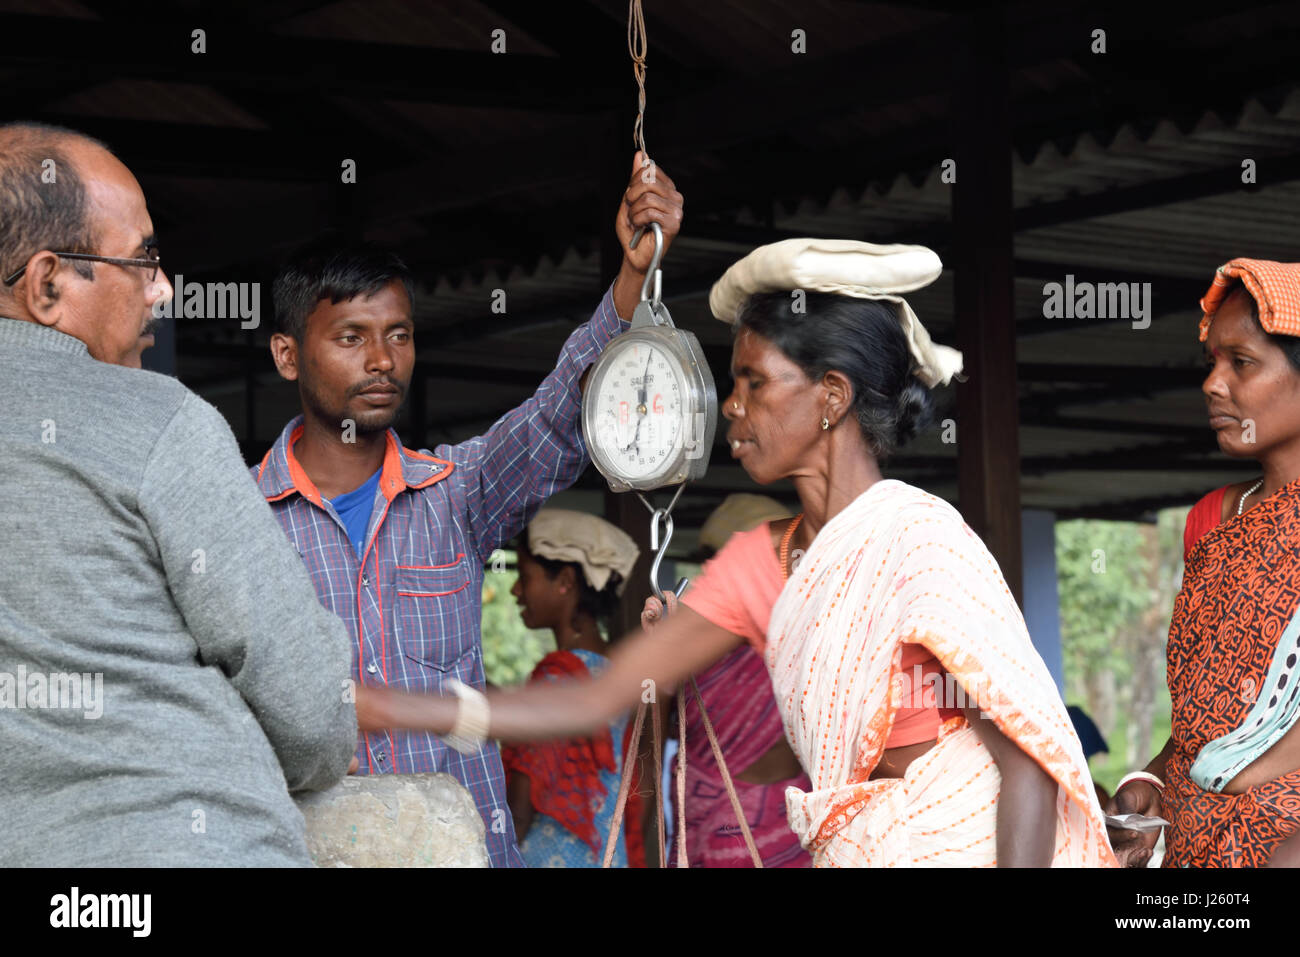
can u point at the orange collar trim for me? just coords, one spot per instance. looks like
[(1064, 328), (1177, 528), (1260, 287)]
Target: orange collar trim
[(392, 479), (438, 468), (298, 475)]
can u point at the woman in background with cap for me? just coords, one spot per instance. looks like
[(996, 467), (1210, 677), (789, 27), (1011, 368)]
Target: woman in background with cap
[(832, 372), (572, 570), (1228, 779)]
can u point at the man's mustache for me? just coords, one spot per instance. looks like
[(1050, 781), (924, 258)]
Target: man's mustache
[(366, 386)]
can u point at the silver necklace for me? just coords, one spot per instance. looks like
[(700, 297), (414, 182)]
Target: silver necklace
[(1241, 502)]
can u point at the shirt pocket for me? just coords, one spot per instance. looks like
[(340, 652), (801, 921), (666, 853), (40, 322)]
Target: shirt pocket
[(432, 614), (432, 677)]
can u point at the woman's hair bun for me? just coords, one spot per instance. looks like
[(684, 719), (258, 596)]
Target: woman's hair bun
[(915, 412)]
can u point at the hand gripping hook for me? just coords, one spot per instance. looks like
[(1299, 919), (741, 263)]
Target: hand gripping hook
[(654, 277)]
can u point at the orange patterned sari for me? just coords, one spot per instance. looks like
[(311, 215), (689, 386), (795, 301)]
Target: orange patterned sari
[(900, 566), (1228, 669)]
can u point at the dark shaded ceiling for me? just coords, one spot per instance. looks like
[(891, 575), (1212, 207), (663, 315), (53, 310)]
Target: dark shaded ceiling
[(502, 171)]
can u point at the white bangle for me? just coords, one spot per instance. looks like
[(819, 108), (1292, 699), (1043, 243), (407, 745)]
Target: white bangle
[(472, 719), (1140, 776)]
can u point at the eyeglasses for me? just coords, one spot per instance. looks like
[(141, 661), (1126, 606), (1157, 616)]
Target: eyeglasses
[(151, 263)]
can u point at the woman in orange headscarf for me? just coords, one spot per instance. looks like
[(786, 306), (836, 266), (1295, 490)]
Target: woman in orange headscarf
[(1228, 780)]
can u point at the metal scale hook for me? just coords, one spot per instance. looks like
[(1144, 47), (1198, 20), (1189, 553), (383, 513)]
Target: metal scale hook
[(660, 549), (654, 277)]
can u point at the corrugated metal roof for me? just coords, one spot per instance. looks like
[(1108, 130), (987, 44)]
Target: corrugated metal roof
[(869, 170)]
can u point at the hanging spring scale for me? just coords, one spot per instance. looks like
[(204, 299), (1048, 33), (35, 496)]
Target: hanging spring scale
[(651, 311)]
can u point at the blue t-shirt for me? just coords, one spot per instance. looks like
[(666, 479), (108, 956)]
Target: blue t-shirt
[(354, 509)]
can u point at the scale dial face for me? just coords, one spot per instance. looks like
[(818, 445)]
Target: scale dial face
[(639, 411)]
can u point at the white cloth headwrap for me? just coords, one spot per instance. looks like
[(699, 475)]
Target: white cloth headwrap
[(849, 268), (599, 547)]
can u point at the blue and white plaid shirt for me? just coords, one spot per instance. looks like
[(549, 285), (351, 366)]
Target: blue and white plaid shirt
[(413, 601)]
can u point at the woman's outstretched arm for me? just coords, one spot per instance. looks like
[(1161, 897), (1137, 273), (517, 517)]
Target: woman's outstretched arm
[(639, 666)]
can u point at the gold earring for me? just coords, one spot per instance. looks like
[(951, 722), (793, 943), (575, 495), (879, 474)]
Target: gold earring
[(826, 423)]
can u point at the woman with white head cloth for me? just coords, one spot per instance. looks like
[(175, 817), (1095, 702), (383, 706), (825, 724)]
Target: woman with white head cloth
[(572, 569), (832, 373)]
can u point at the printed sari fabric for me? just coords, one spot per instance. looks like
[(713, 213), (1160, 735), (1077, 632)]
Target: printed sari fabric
[(1232, 659), (900, 566), (573, 784), (737, 694)]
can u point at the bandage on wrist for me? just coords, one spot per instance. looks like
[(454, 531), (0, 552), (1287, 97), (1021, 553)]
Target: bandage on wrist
[(472, 719), (1140, 776)]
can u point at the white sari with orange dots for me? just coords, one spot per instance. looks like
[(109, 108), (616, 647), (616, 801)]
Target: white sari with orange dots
[(899, 565)]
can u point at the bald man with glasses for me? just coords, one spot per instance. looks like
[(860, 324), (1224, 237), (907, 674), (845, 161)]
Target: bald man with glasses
[(150, 263), (167, 675)]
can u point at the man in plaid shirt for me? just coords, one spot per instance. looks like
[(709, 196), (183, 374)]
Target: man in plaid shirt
[(396, 540)]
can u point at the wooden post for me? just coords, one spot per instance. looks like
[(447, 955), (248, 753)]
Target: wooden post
[(988, 440), (625, 510)]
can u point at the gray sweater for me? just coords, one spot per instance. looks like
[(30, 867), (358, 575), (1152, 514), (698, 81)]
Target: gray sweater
[(135, 547)]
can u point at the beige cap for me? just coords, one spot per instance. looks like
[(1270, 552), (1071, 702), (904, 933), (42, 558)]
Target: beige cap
[(599, 547), (739, 513), (849, 268)]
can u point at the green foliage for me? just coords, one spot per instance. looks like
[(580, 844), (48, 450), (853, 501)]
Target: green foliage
[(1117, 582), (510, 651), (1103, 583), (1108, 767)]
